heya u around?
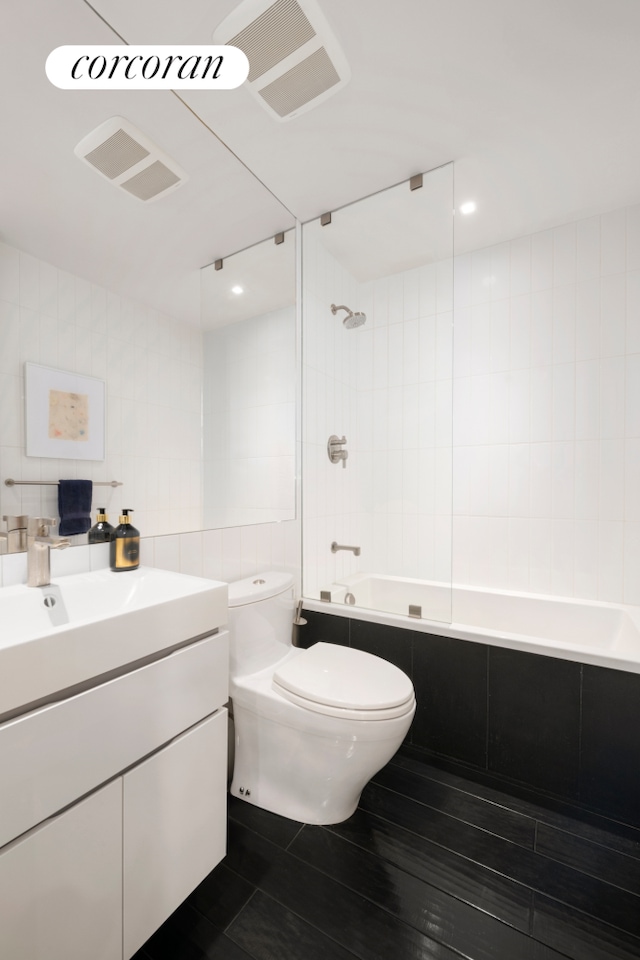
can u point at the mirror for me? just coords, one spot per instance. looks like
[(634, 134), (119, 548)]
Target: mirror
[(236, 466), (249, 385)]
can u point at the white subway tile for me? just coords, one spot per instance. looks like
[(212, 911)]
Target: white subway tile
[(562, 480), (541, 403), (462, 283), (500, 271), (518, 569), (462, 345), (519, 479), (478, 480), (587, 400), (444, 286), (587, 480), (29, 282), (48, 289), (611, 506), (480, 338), (612, 397), (444, 346), (428, 290), (541, 327), (633, 237), (542, 260), (613, 253), (500, 335), (519, 406), (564, 324), (632, 395), (564, 254), (588, 248), (498, 417), (540, 459), (632, 333), (585, 573), (632, 480), (411, 351), (520, 331), (411, 293), (481, 276), (9, 274), (588, 319), (632, 563), (611, 561), (562, 557), (540, 551), (498, 483), (9, 338), (613, 315), (564, 401), (520, 273)]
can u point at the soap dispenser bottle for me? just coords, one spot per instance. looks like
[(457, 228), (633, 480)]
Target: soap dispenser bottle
[(101, 531), (125, 546)]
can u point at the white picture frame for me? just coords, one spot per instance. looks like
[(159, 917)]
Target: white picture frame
[(64, 414)]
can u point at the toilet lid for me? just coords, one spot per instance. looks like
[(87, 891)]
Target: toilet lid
[(330, 678)]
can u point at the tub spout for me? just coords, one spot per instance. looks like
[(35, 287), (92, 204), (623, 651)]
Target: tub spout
[(341, 546)]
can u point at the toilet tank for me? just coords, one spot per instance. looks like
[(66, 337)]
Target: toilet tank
[(261, 612)]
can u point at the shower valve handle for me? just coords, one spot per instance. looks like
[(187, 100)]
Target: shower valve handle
[(335, 450)]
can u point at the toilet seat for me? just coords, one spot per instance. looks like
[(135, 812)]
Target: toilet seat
[(344, 682)]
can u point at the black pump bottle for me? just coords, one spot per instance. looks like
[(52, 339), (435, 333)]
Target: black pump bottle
[(125, 545)]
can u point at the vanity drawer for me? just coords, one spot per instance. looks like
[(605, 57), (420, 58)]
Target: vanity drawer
[(56, 754)]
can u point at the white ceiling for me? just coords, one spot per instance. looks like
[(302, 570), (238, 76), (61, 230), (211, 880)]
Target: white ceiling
[(537, 104)]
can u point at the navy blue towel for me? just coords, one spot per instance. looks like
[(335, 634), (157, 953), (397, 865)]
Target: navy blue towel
[(74, 506)]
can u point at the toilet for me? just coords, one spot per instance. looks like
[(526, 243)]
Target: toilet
[(311, 726)]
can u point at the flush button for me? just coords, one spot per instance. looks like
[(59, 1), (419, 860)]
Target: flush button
[(258, 583)]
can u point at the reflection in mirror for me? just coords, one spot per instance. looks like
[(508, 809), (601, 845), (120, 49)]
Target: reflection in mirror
[(377, 330), (249, 384)]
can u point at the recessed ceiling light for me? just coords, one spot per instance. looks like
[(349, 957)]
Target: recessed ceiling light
[(468, 207), (237, 290)]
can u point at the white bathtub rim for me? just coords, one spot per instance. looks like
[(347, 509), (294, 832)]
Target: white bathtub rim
[(625, 656)]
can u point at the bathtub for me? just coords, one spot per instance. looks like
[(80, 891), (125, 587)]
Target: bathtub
[(603, 634)]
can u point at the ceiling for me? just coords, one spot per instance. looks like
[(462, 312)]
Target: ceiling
[(536, 104)]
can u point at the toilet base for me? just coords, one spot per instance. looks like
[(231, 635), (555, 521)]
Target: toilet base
[(310, 777)]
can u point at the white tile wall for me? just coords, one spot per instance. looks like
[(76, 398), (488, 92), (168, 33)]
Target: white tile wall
[(561, 433), (546, 416)]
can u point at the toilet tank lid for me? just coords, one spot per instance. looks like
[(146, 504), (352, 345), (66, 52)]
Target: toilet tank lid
[(345, 677), (259, 587)]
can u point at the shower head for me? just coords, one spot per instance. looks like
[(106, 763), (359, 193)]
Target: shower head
[(352, 319)]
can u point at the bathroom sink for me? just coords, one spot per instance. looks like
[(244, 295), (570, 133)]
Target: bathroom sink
[(86, 625)]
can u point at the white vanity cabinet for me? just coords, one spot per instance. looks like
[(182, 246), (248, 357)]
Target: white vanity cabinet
[(113, 806), (61, 884), (174, 815)]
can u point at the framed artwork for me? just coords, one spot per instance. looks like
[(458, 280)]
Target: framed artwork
[(64, 414)]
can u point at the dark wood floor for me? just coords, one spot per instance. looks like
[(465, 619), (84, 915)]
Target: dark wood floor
[(431, 865)]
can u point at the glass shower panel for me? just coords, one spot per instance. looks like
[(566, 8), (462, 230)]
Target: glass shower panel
[(377, 331)]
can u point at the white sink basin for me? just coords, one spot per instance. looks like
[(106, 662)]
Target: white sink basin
[(88, 624)]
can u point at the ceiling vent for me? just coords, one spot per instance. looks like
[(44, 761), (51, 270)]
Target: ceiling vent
[(295, 62), (121, 153)]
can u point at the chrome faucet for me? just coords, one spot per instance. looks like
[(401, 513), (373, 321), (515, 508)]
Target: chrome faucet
[(39, 542)]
